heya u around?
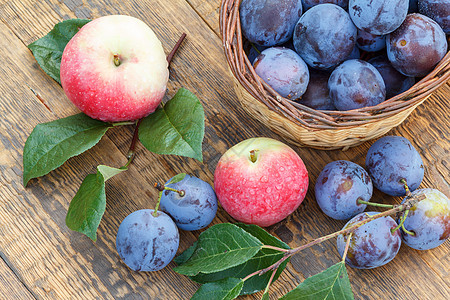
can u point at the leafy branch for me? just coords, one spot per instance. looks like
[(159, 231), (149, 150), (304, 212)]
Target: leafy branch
[(398, 208), (333, 280), (176, 128)]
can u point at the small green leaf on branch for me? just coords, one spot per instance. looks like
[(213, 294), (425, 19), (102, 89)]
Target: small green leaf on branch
[(183, 257), (177, 178), (265, 296), (88, 206), (109, 172), (262, 235), (220, 247), (263, 259), (51, 144), (225, 289), (333, 283), (48, 49), (176, 128)]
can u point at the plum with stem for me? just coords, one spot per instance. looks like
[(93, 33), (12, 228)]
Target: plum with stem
[(394, 165), (339, 187), (191, 202), (373, 244), (427, 224)]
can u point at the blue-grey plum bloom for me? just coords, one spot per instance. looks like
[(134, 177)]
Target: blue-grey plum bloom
[(195, 208), (145, 242), (392, 160)]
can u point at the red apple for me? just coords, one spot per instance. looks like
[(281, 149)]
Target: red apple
[(260, 181), (115, 69)]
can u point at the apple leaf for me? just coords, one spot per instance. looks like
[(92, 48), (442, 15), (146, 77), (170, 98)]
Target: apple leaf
[(220, 247), (225, 289), (176, 128), (263, 259), (51, 144), (333, 283), (88, 206), (48, 50), (109, 172)]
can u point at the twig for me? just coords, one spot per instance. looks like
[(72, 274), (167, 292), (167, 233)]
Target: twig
[(175, 48), (131, 151), (410, 202)]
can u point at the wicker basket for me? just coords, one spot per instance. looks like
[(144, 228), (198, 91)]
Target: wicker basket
[(305, 126)]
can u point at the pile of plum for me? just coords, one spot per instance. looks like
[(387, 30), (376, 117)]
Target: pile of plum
[(343, 190), (310, 50), (148, 240)]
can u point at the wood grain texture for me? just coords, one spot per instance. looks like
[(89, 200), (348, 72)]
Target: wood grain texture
[(48, 261), (11, 285), (209, 11)]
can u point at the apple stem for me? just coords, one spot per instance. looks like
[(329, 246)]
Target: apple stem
[(116, 60), (253, 155), (175, 48), (131, 152)]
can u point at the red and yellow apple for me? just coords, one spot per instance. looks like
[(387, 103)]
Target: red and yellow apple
[(260, 181), (115, 69)]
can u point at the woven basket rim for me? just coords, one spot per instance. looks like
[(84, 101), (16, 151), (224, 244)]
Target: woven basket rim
[(302, 115)]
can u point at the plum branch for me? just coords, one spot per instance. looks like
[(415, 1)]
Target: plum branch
[(411, 200)]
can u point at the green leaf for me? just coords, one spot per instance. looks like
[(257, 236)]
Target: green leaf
[(262, 235), (88, 206), (51, 144), (263, 259), (225, 289), (265, 296), (176, 128), (333, 283), (183, 257), (177, 178), (220, 247), (109, 172), (48, 50)]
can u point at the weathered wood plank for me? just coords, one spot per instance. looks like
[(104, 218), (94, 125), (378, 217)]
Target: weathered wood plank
[(66, 264), (65, 181), (55, 262), (29, 238), (430, 138), (209, 11), (11, 285)]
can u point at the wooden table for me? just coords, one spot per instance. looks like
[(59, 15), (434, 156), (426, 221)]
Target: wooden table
[(41, 258)]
